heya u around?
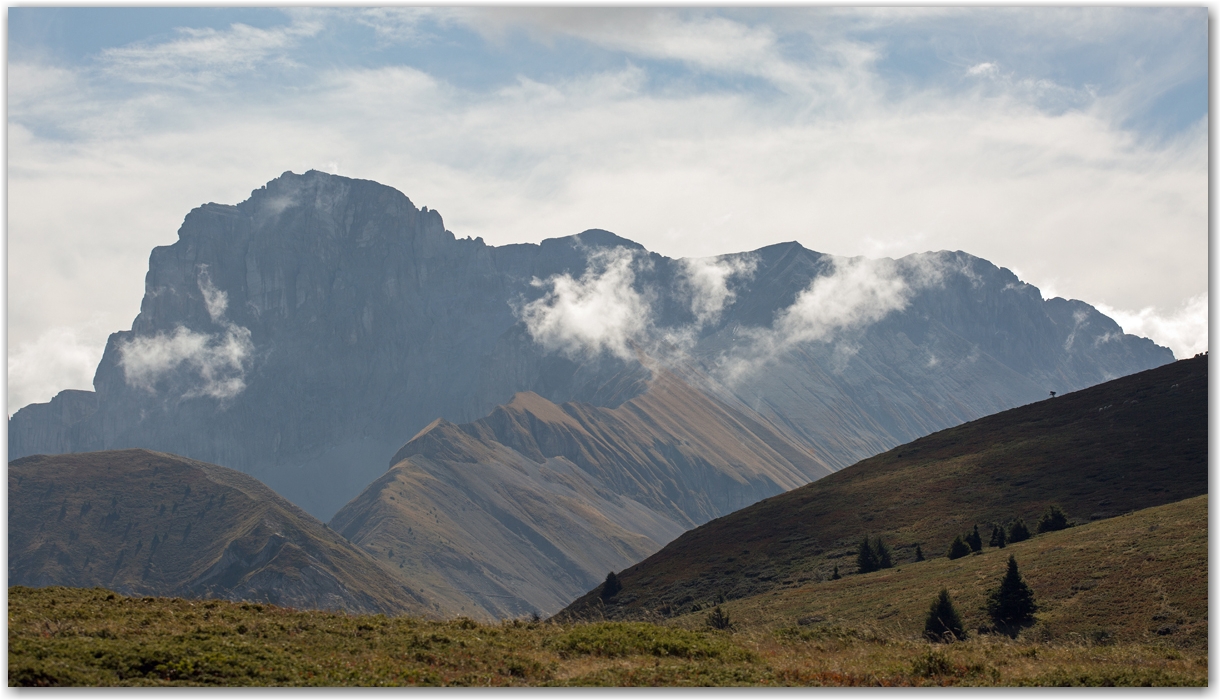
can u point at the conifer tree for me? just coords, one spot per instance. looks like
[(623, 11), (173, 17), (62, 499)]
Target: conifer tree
[(611, 587), (918, 553), (958, 549), (975, 540), (866, 558), (1011, 605), (882, 553), (943, 624), (835, 576), (1053, 519), (995, 536), (1017, 532)]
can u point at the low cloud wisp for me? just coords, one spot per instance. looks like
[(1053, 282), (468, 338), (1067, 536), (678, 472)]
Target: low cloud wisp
[(856, 293), (706, 280), (219, 360), (600, 312)]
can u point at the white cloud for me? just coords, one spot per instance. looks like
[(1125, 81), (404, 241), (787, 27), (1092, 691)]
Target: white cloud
[(855, 294), (60, 358), (1183, 330), (706, 281), (216, 300), (986, 68), (203, 56), (600, 312), (220, 360), (99, 174)]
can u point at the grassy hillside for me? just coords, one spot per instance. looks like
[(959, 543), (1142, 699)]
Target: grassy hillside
[(148, 523), (1124, 602), (1140, 577), (1131, 443)]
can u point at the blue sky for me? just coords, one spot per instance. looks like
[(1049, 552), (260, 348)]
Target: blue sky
[(1069, 144)]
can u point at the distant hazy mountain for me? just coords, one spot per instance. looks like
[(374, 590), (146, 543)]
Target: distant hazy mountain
[(145, 523), (527, 508), (1127, 444), (303, 335)]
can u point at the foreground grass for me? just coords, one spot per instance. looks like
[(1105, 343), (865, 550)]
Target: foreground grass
[(80, 637)]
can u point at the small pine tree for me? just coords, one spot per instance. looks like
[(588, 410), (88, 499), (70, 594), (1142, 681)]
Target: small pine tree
[(1017, 532), (995, 536), (611, 587), (1000, 538), (958, 549), (1011, 605), (835, 576), (918, 553), (882, 553), (866, 558), (943, 624), (1053, 519), (975, 540)]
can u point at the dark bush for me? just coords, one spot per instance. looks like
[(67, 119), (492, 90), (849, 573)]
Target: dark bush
[(918, 553), (611, 587), (718, 619)]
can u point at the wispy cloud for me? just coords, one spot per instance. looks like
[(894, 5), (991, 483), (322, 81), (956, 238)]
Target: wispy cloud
[(791, 128), (855, 294), (218, 360), (1183, 330), (200, 57), (706, 283), (60, 358)]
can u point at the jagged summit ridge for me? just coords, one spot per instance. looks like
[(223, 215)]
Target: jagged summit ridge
[(303, 334)]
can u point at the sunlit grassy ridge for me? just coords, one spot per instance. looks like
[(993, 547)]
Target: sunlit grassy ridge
[(1123, 602), (1131, 443)]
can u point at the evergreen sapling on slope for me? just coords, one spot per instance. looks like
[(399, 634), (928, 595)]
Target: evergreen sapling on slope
[(866, 559), (975, 540), (943, 624), (958, 549), (1053, 519), (1017, 532), (611, 587), (1011, 605)]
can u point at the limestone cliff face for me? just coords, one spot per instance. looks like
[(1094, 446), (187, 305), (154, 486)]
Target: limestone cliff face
[(302, 335), (322, 322)]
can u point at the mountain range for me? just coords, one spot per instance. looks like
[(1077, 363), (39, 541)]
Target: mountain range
[(575, 404)]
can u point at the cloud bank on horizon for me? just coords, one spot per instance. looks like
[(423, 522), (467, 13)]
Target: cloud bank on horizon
[(1069, 144)]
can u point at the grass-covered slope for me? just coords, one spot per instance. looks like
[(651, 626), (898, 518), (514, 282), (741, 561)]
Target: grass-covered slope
[(149, 523), (1131, 443), (1140, 577), (1123, 602)]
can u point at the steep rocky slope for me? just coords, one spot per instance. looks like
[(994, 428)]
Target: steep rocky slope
[(302, 335), (1130, 443), (146, 523), (526, 508)]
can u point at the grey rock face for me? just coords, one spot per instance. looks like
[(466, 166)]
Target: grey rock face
[(305, 334)]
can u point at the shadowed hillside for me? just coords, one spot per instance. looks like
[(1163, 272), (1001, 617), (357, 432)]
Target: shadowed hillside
[(1128, 444), (143, 523)]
